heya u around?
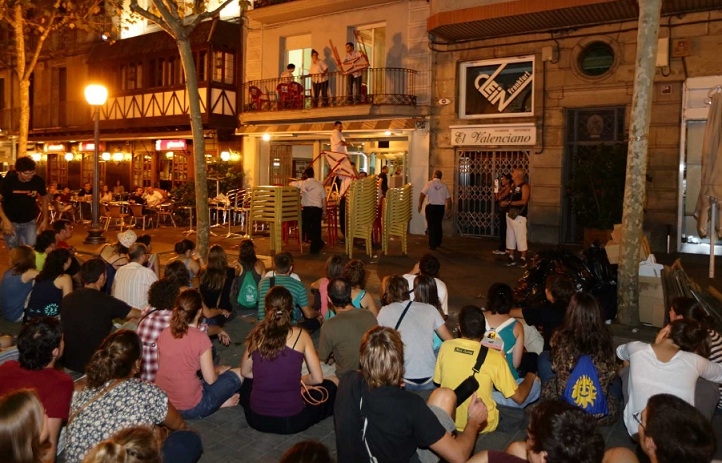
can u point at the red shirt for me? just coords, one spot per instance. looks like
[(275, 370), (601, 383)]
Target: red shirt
[(54, 387), (62, 245)]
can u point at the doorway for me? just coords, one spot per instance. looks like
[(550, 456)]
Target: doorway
[(280, 169)]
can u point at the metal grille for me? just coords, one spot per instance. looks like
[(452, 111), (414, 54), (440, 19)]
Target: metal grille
[(475, 173)]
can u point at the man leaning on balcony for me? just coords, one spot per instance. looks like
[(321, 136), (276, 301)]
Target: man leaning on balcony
[(319, 79), (353, 79)]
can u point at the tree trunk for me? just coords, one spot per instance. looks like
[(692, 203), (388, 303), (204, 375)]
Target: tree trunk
[(23, 79), (635, 188), (199, 146)]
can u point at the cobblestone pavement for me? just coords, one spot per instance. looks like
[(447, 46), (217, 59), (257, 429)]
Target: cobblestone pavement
[(467, 266)]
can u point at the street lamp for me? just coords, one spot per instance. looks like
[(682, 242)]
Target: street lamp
[(96, 95)]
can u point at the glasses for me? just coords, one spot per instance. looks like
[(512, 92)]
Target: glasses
[(638, 418)]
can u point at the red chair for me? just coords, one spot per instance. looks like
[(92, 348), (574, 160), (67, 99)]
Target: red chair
[(297, 95), (257, 99), (285, 96)]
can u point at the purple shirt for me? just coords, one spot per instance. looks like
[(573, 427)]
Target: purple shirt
[(277, 384)]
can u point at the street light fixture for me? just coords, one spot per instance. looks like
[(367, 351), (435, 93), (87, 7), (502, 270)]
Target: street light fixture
[(96, 95)]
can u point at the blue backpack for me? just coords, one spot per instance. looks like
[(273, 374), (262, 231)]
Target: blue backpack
[(584, 390)]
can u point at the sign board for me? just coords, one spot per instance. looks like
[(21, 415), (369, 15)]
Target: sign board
[(496, 88), (90, 146), (55, 148), (493, 135), (170, 145)]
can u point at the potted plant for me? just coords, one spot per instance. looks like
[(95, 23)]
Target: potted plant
[(596, 189)]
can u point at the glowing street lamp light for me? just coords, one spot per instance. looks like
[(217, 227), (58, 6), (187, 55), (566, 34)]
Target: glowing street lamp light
[(96, 95)]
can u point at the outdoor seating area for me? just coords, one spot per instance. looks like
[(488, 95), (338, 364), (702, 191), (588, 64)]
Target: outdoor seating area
[(380, 86)]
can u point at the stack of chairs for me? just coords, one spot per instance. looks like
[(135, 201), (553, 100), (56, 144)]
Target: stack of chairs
[(275, 205), (396, 214), (361, 210)]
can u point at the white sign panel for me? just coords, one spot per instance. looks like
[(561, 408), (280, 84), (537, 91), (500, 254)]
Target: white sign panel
[(493, 135)]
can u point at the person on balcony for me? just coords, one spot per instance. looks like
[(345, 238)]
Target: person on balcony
[(287, 75), (353, 79), (319, 80)]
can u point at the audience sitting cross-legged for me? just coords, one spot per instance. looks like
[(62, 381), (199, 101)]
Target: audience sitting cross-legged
[(23, 429), (17, 282), (377, 420), (271, 366)]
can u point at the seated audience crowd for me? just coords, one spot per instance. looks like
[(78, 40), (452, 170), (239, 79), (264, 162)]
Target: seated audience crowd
[(139, 344)]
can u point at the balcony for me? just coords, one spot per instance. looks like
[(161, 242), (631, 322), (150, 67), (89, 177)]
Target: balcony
[(384, 91)]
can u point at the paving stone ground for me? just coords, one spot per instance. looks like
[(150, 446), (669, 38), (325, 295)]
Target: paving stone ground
[(467, 266)]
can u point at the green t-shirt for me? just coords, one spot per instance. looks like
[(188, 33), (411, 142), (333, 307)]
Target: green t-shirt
[(295, 287)]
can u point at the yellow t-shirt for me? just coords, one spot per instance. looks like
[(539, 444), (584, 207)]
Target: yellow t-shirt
[(454, 364)]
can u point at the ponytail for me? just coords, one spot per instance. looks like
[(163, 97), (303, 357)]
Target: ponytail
[(269, 336), (187, 305)]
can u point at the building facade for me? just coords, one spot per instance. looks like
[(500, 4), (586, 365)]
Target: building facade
[(530, 84)]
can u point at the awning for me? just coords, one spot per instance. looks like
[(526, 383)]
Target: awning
[(348, 126), (529, 16)]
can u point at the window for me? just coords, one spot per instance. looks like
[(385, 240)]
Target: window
[(173, 72), (131, 76), (596, 59), (223, 67), (155, 73), (201, 59), (297, 51), (372, 40)]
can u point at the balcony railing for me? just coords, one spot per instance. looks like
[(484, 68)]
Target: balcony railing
[(380, 86), (262, 3)]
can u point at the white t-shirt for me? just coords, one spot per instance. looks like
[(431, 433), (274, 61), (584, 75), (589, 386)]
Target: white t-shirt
[(436, 192), (440, 289), (317, 70), (649, 376), (336, 139), (313, 193)]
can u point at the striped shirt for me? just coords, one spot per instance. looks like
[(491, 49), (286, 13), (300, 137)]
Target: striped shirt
[(131, 284), (715, 354)]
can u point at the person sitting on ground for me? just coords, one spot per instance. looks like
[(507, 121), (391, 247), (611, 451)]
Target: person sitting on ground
[(583, 333), (23, 429), (671, 431), (51, 285), (355, 273), (302, 312), (308, 451), (457, 359), (116, 256), (429, 265), (138, 444), (43, 246), (185, 253), (559, 290), (558, 432), (153, 261), (114, 399), (417, 323), (63, 232), (706, 393), (271, 367), (216, 280), (669, 366), (87, 316), (319, 288), (341, 335), (183, 350), (178, 273), (244, 291), (424, 290), (274, 271), (377, 420), (40, 345), (133, 280), (17, 282), (503, 332)]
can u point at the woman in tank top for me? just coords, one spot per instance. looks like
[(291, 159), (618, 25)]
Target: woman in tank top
[(51, 285)]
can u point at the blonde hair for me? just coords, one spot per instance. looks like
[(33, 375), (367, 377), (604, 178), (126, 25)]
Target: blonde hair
[(21, 423), (382, 357), (138, 444)]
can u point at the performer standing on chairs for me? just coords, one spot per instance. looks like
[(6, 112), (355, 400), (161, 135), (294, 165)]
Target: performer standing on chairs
[(338, 145), (313, 200), (353, 79), (319, 80)]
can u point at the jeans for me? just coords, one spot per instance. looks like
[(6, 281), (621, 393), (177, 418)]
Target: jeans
[(353, 88), (434, 220), (544, 367), (25, 233), (312, 217), (320, 90), (182, 447), (422, 384), (533, 396), (214, 395)]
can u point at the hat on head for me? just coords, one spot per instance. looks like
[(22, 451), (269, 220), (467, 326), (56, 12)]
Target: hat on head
[(127, 238)]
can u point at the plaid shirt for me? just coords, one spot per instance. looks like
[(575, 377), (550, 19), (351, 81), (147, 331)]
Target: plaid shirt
[(152, 324)]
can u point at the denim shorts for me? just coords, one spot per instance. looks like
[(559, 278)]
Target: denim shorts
[(214, 395), (25, 233)]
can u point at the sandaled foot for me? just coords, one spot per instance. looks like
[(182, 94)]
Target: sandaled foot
[(232, 401)]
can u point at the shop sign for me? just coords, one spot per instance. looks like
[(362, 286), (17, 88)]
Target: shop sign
[(493, 135), (496, 88), (90, 146), (170, 145), (55, 148)]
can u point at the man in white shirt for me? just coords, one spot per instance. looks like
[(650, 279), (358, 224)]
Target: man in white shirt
[(319, 80), (133, 280), (439, 201), (353, 79), (287, 75), (153, 197), (313, 200)]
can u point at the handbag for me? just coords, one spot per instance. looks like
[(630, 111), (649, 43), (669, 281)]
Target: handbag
[(308, 397), (514, 212), (467, 387)]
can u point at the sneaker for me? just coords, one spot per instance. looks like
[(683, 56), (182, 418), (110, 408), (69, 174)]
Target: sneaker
[(523, 263), (498, 252), (511, 262)]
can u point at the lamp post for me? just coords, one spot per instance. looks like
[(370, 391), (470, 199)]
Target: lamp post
[(95, 95)]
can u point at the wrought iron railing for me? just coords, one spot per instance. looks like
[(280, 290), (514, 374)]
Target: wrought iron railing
[(379, 86)]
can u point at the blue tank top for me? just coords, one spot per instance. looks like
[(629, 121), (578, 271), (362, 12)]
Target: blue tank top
[(44, 300), (13, 293)]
